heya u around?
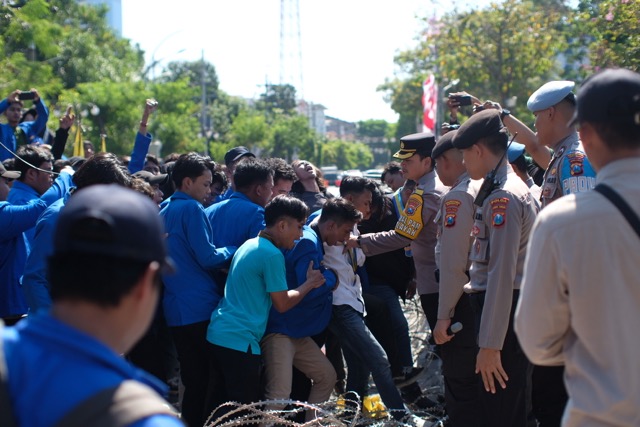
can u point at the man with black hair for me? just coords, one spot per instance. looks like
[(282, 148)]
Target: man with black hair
[(455, 221), (103, 168), (504, 215), (32, 182), (577, 311), (253, 180), (257, 281), (191, 295), (14, 133), (104, 270), (288, 338), (416, 225), (392, 176), (283, 175)]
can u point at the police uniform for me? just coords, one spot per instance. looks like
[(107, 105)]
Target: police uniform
[(454, 222), (569, 170), (501, 228), (579, 310), (416, 225)]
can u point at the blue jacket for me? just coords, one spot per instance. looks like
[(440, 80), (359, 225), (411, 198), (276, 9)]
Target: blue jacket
[(34, 281), (15, 249), (311, 315), (191, 294), (54, 367), (27, 130), (235, 220), (139, 153), (21, 194)]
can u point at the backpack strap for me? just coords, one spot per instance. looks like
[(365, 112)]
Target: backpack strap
[(622, 206), (118, 406), (8, 418)]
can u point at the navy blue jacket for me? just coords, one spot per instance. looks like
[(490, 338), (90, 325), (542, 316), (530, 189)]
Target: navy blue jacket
[(311, 315)]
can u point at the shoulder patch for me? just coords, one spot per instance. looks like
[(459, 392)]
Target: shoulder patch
[(499, 211), (576, 162), (451, 211)]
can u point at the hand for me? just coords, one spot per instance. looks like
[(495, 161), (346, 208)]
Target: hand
[(67, 120), (150, 106), (492, 105), (489, 365), (440, 331), (350, 243), (411, 288), (314, 277), (13, 96), (36, 98)]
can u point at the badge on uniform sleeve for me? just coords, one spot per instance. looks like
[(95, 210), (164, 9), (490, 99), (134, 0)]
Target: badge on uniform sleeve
[(576, 161), (499, 211), (451, 210)]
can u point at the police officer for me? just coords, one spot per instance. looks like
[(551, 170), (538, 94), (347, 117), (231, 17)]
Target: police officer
[(455, 220), (416, 223), (505, 212)]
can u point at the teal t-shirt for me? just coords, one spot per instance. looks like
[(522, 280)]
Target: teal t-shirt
[(240, 319)]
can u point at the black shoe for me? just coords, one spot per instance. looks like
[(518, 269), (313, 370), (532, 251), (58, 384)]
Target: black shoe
[(408, 378), (340, 387)]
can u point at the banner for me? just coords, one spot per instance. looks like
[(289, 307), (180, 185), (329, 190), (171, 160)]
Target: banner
[(429, 104), (78, 146)]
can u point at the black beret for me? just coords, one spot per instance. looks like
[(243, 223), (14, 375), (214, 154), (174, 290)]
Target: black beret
[(445, 143), (480, 125), (415, 143)]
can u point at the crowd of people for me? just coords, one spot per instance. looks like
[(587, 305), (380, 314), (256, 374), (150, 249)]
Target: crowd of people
[(259, 284)]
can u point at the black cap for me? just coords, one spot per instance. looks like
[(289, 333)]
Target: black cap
[(415, 143), (445, 143), (235, 154), (610, 96), (480, 125), (9, 174), (114, 221), (76, 162), (159, 179)]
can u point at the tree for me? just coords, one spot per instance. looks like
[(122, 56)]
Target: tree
[(278, 99), (346, 154), (609, 30), (193, 72), (504, 51), (292, 137)]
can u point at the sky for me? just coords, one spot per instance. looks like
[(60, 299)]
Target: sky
[(347, 46)]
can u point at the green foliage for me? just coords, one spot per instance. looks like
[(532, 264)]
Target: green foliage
[(609, 28), (278, 99), (346, 155)]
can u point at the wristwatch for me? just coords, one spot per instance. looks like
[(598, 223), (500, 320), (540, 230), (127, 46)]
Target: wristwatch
[(504, 113)]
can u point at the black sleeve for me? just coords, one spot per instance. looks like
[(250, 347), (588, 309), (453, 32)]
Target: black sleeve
[(59, 143)]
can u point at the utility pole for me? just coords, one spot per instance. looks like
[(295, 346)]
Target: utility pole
[(203, 103)]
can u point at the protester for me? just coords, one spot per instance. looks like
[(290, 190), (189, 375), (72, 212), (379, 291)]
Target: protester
[(104, 270), (14, 133), (257, 280)]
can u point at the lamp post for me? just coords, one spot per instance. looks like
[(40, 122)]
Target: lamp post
[(153, 62)]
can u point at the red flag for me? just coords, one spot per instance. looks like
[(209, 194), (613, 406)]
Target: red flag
[(429, 104)]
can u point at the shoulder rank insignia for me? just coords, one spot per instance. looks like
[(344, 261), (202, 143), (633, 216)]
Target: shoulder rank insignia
[(499, 211), (451, 210)]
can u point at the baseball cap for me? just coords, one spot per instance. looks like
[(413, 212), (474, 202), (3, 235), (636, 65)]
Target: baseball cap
[(514, 151), (235, 154), (159, 179), (115, 221), (610, 96), (415, 143), (549, 94), (480, 125), (8, 174)]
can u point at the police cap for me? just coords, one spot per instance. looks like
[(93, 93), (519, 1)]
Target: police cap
[(611, 96), (514, 151), (445, 143), (415, 143), (551, 93), (480, 125)]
